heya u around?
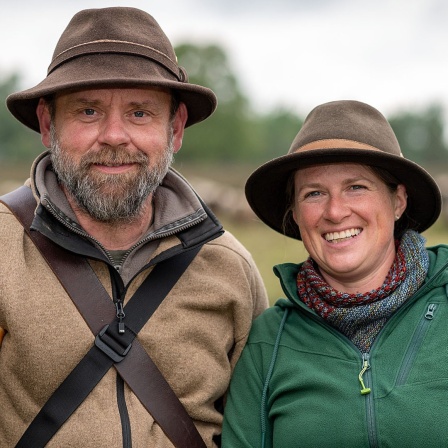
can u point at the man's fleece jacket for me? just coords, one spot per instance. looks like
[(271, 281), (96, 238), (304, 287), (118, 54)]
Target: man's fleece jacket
[(195, 336)]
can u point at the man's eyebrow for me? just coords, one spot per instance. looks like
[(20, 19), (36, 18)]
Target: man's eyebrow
[(85, 102), (142, 104), (94, 102)]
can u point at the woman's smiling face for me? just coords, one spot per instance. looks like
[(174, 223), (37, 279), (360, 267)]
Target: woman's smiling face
[(346, 217)]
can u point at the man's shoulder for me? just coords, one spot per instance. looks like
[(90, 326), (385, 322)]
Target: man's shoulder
[(6, 214), (228, 242)]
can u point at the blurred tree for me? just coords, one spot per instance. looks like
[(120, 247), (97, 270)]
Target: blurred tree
[(225, 135), (421, 135), (234, 133), (17, 143), (275, 130)]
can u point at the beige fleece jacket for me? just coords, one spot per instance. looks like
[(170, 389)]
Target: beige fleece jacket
[(195, 336)]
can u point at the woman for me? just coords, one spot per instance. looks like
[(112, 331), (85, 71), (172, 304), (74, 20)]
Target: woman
[(357, 355)]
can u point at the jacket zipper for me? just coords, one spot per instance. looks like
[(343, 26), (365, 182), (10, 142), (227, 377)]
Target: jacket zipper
[(365, 366), (366, 375), (159, 234), (124, 415), (414, 346)]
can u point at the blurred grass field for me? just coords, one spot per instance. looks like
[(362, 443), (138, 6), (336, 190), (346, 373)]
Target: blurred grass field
[(267, 247)]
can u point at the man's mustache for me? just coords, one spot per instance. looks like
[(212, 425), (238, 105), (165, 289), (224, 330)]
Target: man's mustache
[(113, 156)]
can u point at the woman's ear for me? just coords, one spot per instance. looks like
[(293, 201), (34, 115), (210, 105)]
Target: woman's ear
[(401, 200), (294, 215)]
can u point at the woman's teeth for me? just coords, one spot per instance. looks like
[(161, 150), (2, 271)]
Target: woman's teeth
[(336, 237)]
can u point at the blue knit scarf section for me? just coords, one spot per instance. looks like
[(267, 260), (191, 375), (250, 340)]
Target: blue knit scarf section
[(362, 316)]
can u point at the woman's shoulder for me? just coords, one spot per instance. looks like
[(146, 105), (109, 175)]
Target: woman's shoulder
[(266, 326), (438, 262)]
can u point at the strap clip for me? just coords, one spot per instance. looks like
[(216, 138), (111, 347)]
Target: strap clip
[(111, 346)]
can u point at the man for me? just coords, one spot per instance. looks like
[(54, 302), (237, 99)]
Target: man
[(112, 111)]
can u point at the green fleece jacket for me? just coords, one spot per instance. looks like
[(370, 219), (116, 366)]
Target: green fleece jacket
[(194, 337), (299, 381)]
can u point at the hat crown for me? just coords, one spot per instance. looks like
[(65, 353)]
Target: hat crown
[(115, 30), (347, 120)]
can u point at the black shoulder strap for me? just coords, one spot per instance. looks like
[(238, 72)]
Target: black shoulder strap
[(112, 347)]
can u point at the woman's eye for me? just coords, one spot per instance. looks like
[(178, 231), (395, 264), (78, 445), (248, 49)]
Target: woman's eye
[(312, 194)]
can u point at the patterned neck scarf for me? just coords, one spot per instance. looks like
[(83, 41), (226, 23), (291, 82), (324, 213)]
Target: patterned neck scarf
[(361, 316)]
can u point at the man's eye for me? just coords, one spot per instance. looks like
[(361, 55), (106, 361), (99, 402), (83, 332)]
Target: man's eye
[(89, 111), (139, 114)]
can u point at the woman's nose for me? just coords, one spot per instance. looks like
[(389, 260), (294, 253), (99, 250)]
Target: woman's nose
[(336, 209)]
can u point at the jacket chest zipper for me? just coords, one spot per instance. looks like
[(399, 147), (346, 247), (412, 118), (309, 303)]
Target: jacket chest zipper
[(414, 346), (365, 375)]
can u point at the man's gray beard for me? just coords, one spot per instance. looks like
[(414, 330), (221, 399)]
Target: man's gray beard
[(110, 198)]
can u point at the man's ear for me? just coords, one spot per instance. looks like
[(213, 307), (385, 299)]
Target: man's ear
[(44, 117), (179, 126)]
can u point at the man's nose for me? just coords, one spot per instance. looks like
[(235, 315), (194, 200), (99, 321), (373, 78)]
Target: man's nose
[(113, 131)]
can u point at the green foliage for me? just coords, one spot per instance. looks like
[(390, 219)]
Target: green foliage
[(224, 135), (234, 133), (17, 143), (275, 131), (420, 135)]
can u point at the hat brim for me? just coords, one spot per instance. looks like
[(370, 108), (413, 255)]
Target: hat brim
[(111, 70), (266, 187)]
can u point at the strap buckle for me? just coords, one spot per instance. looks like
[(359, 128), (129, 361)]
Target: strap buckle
[(111, 346)]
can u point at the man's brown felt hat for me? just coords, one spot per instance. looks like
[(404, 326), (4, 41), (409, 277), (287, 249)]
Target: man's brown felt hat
[(113, 47), (342, 132)]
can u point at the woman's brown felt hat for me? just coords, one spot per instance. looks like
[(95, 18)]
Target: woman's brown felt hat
[(113, 47), (342, 132)]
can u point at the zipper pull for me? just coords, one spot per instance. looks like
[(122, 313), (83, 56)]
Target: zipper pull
[(121, 315), (365, 366), (430, 312)]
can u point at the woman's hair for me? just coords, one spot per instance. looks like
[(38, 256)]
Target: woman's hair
[(403, 224), (391, 182)]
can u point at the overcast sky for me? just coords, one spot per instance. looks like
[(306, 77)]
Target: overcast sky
[(295, 53)]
